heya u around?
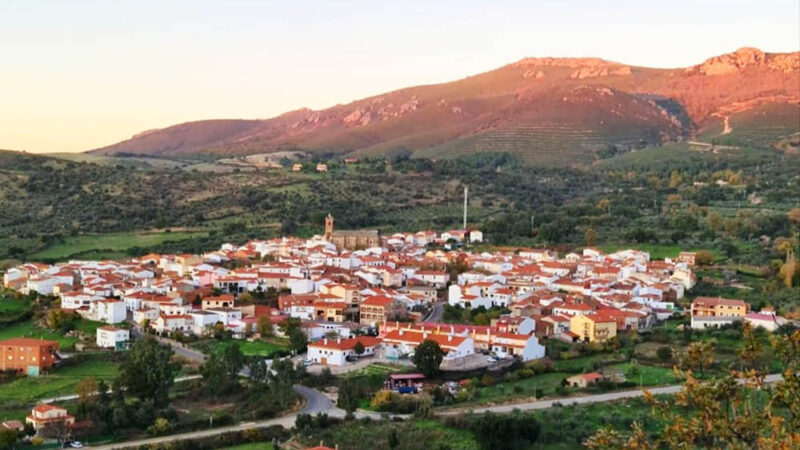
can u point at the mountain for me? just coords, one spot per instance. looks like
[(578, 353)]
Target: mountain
[(548, 110)]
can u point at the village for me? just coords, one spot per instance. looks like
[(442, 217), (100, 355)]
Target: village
[(360, 298)]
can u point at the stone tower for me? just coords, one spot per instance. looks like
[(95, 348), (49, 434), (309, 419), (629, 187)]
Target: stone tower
[(328, 227)]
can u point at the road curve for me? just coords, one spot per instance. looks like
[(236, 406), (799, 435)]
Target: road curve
[(316, 403)]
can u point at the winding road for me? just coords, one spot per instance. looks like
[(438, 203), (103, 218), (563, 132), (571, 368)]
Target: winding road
[(316, 402)]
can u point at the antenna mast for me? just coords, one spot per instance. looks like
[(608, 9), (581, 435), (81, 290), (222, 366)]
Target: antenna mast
[(466, 194)]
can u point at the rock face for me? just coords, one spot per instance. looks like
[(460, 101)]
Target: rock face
[(599, 71), (747, 57)]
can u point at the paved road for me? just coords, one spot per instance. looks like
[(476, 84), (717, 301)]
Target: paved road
[(436, 312), (607, 397), (316, 402)]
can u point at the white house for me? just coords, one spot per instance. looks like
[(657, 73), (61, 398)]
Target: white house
[(702, 322), (526, 347), (168, 324), (111, 337), (75, 300), (334, 352), (108, 310), (201, 320), (432, 276), (142, 314), (766, 319)]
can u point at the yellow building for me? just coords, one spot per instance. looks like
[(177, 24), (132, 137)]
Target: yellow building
[(347, 292), (718, 307), (593, 327)]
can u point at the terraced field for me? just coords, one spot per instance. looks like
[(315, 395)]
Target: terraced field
[(546, 143)]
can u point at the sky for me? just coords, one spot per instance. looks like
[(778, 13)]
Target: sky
[(77, 75)]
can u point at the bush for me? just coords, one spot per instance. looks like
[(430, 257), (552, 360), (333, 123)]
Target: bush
[(664, 353)]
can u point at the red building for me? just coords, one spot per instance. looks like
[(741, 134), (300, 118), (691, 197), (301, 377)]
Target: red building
[(31, 356)]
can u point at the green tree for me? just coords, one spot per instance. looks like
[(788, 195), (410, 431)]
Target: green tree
[(349, 394), (511, 431), (428, 357), (7, 438), (664, 353), (148, 371), (297, 340), (221, 368), (359, 349)]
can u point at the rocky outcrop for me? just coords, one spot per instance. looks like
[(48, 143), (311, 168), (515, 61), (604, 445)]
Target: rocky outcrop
[(599, 71), (747, 57)]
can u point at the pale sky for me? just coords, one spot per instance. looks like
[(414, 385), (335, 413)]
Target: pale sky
[(76, 75)]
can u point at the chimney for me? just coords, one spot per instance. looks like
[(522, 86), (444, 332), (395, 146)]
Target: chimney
[(325, 341), (339, 340), (401, 331), (449, 337)]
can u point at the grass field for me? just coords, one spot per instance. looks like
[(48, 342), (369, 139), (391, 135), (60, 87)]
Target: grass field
[(26, 391), (28, 329), (262, 348), (648, 375), (12, 306), (112, 244)]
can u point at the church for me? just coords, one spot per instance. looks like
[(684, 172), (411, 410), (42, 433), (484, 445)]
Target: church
[(351, 239)]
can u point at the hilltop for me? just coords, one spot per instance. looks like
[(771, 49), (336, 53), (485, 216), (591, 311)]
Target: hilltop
[(548, 110)]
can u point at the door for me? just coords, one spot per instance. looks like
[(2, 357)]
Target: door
[(324, 361)]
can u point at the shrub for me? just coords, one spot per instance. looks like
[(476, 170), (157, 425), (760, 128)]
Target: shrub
[(664, 353)]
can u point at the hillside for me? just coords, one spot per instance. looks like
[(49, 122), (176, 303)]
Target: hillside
[(548, 110)]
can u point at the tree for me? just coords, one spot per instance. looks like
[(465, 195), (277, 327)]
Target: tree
[(349, 394), (664, 353), (86, 389), (393, 440), (298, 340), (148, 371), (591, 236), (738, 410), (265, 327), (8, 438), (428, 357), (359, 349), (703, 258), (221, 368), (699, 356), (507, 431), (794, 216)]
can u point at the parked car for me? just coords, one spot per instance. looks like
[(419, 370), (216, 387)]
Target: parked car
[(307, 362)]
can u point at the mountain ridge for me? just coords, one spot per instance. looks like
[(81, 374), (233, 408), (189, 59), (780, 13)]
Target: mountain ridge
[(581, 104)]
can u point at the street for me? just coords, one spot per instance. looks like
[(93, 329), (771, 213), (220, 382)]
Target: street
[(607, 397), (436, 312)]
